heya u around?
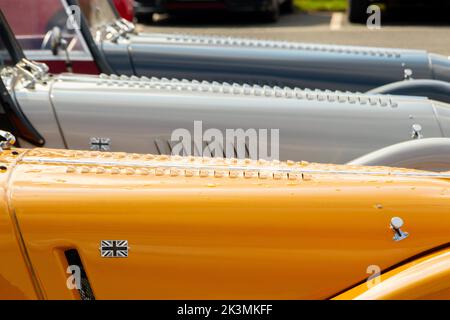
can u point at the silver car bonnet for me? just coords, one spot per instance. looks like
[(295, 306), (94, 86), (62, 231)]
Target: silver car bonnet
[(227, 41), (138, 114)]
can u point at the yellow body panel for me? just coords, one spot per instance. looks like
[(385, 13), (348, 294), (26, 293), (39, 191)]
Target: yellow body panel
[(424, 278), (15, 278), (218, 229)]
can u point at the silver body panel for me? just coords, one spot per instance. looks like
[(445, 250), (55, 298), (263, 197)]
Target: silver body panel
[(251, 61), (37, 106), (135, 113)]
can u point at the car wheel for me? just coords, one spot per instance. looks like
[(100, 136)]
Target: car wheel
[(273, 14), (288, 6), (357, 10)]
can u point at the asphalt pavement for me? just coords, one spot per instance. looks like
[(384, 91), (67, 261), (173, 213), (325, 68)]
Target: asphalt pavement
[(320, 27)]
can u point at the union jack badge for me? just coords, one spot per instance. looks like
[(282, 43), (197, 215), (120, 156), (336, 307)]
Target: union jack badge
[(114, 248), (100, 144)]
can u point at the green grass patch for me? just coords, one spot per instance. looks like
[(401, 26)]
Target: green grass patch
[(321, 5)]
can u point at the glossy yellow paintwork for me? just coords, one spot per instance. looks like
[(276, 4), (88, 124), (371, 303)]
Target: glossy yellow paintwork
[(424, 278), (15, 278), (214, 233)]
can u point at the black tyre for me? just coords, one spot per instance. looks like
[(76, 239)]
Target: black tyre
[(288, 6), (357, 10)]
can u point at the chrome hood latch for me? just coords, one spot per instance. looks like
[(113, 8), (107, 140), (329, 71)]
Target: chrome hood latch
[(396, 225)]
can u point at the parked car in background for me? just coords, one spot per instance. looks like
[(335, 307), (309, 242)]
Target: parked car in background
[(132, 114), (125, 9), (109, 44), (269, 9), (358, 8)]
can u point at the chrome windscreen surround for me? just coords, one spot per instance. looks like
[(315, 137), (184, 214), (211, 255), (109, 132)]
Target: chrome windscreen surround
[(128, 26), (114, 31), (8, 74), (25, 73), (108, 33)]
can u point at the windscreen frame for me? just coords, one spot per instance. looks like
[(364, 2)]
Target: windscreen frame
[(16, 121), (85, 32)]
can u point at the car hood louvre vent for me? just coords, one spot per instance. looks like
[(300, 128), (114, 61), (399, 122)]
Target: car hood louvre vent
[(74, 260)]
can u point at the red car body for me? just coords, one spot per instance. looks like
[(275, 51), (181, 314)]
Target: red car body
[(125, 8)]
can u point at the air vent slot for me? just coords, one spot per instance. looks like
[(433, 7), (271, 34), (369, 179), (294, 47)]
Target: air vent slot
[(74, 259)]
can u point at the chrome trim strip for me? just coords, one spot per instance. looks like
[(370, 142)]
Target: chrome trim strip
[(187, 166)]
